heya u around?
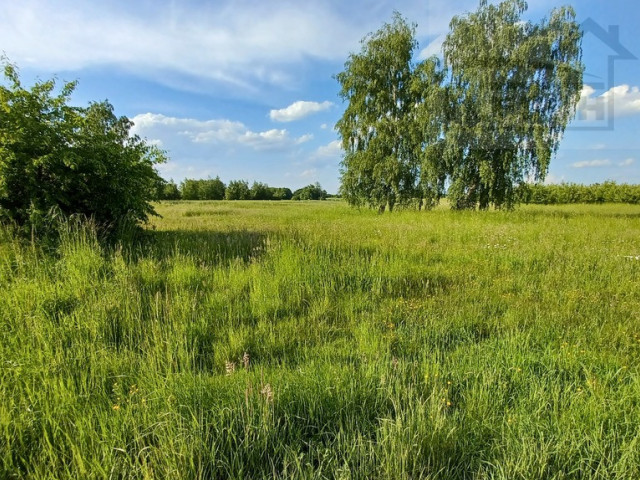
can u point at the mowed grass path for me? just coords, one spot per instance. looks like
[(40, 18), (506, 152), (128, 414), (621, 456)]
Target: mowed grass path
[(408, 345)]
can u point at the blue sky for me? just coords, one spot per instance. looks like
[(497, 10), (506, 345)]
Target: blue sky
[(243, 89)]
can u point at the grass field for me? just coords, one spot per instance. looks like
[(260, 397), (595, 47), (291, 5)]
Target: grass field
[(310, 340)]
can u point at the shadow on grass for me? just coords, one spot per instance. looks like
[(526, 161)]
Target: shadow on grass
[(204, 247)]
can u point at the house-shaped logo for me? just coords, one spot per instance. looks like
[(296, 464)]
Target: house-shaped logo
[(598, 112)]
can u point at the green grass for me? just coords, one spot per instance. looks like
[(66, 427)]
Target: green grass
[(438, 344)]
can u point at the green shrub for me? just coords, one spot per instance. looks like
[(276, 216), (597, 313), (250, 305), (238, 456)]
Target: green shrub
[(564, 193), (79, 161)]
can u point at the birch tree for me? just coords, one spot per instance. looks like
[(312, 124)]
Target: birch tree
[(515, 86)]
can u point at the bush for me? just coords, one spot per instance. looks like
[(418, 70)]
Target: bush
[(564, 193), (78, 161)]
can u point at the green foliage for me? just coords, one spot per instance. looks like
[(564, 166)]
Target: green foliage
[(214, 189), (515, 87), (310, 192), (189, 190), (441, 345), (261, 191), (167, 190), (206, 189), (280, 193), (380, 164), (75, 160), (238, 190), (482, 124), (211, 189), (566, 193)]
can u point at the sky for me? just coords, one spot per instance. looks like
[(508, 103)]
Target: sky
[(244, 89)]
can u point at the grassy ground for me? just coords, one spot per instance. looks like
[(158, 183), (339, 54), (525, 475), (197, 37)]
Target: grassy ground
[(310, 340)]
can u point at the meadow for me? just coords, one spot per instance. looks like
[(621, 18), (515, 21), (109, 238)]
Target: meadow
[(312, 340)]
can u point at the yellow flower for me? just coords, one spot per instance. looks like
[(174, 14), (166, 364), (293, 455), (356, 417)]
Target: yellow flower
[(116, 407)]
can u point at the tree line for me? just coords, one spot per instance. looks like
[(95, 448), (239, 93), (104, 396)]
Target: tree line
[(472, 127), (563, 193), (215, 189), (59, 160)]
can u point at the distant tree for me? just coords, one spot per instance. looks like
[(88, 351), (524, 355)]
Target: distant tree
[(279, 193), (77, 160), (310, 192), (167, 190), (260, 191), (189, 189), (238, 190), (211, 189)]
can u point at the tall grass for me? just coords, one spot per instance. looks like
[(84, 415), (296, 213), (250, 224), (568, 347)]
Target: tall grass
[(309, 340)]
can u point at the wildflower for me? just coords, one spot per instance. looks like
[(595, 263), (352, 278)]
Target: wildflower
[(116, 407), (229, 367), (245, 360), (267, 392), (448, 403)]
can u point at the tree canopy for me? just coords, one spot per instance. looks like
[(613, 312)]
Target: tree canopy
[(476, 127), (379, 167), (76, 160)]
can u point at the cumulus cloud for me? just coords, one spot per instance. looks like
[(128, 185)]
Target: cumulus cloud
[(298, 110), (333, 149), (219, 131), (622, 101), (627, 163)]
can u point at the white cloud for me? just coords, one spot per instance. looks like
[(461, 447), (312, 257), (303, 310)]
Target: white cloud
[(623, 101), (603, 163), (552, 179), (592, 163), (434, 48), (298, 110), (213, 132), (333, 149), (238, 42), (310, 173)]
